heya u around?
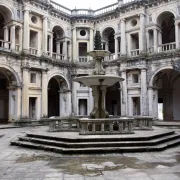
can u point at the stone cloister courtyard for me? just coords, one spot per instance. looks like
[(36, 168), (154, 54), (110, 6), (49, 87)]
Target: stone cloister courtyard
[(19, 163)]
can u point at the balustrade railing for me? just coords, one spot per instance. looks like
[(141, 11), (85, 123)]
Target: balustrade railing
[(105, 9), (57, 56), (2, 43), (106, 126), (142, 123), (64, 124), (61, 8), (33, 51), (135, 52), (167, 47), (110, 57), (82, 58)]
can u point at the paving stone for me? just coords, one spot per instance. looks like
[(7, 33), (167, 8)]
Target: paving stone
[(165, 177)]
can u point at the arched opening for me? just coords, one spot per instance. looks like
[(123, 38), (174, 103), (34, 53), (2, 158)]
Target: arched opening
[(113, 105), (109, 41), (5, 17), (166, 23), (166, 83), (58, 34), (57, 92), (9, 96)]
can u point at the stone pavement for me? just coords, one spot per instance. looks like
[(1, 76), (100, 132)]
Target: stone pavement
[(26, 164)]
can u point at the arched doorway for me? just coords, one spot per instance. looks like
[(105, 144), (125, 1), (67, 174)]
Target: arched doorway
[(166, 83), (113, 100), (58, 97), (4, 98), (10, 93)]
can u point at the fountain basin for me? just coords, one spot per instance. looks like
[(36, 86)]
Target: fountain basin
[(98, 53), (97, 80)]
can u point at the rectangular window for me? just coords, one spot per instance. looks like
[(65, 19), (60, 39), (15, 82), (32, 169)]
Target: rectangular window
[(135, 78), (33, 78)]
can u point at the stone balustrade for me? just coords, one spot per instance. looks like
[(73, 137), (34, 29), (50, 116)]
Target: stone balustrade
[(142, 123), (122, 125), (63, 124)]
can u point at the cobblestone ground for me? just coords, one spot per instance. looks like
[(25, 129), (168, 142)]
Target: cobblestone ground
[(26, 164)]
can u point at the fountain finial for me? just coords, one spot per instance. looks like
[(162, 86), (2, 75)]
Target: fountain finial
[(97, 41)]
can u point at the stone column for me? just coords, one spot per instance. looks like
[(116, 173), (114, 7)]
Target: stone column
[(51, 44), (44, 94), (25, 98), (123, 37), (74, 45), (177, 34), (147, 37), (150, 98), (45, 29), (26, 32), (91, 40), (65, 49), (155, 103), (143, 93), (69, 50), (62, 103), (74, 98), (20, 39), (116, 47), (12, 37), (18, 108), (124, 95), (68, 103), (58, 45), (106, 46), (6, 37), (142, 40), (155, 34), (159, 37)]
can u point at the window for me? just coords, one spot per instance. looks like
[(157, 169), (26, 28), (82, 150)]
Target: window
[(82, 32), (134, 22), (33, 78), (135, 78), (34, 19)]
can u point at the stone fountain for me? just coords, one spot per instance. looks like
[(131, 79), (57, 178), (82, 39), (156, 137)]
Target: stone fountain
[(98, 81), (99, 121)]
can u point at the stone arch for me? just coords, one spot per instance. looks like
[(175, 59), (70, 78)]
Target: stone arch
[(60, 29), (6, 12), (162, 12), (56, 74), (156, 72)]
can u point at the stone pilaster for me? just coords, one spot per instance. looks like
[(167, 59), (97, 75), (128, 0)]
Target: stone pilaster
[(45, 29), (26, 32), (123, 37), (116, 47), (65, 49), (124, 95), (177, 34), (155, 34), (25, 97), (74, 45), (143, 92), (44, 94), (12, 37), (142, 36)]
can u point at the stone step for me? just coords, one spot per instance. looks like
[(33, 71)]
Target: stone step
[(132, 143), (129, 149), (104, 138)]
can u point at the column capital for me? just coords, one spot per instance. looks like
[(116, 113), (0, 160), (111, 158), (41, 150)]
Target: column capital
[(143, 69), (122, 20), (44, 17)]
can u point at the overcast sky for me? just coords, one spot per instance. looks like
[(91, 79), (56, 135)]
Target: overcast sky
[(86, 4)]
